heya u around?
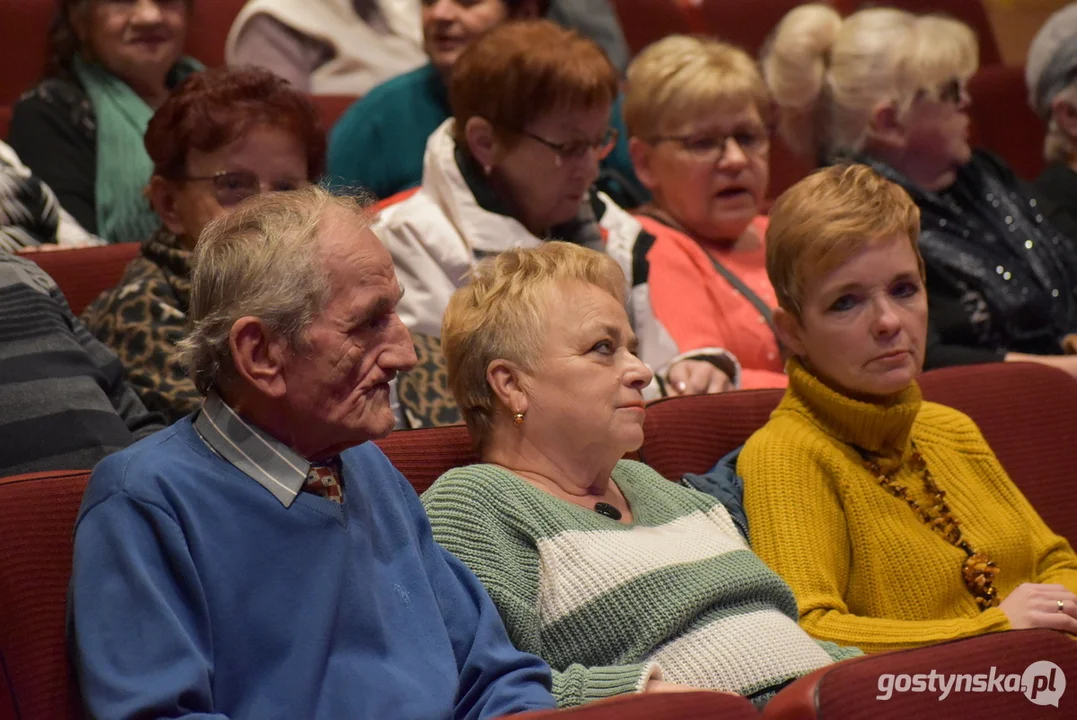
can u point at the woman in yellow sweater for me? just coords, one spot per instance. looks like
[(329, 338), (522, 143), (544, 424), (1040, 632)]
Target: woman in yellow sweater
[(890, 517)]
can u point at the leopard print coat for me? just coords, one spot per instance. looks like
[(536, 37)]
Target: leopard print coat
[(144, 317)]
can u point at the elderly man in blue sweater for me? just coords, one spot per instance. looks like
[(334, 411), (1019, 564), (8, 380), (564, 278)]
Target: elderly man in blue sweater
[(260, 558)]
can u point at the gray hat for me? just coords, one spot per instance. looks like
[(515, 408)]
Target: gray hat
[(1052, 59)]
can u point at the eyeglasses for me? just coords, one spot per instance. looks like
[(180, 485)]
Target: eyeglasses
[(232, 187), (952, 91), (578, 149), (712, 148)]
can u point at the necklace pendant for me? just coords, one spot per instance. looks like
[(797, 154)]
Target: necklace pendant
[(604, 508)]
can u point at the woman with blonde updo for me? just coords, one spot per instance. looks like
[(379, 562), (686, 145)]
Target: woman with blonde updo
[(886, 88)]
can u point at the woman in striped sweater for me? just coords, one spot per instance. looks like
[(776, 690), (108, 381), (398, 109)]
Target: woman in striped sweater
[(619, 579)]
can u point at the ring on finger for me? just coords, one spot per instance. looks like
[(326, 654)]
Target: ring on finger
[(1061, 606)]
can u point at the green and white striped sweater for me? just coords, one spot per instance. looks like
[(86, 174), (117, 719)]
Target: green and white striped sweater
[(605, 603)]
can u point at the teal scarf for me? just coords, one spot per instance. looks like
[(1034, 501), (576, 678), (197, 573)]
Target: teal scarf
[(123, 167)]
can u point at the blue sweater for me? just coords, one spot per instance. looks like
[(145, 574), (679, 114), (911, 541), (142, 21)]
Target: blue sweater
[(379, 142), (195, 593)]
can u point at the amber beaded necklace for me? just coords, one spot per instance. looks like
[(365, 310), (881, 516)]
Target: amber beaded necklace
[(978, 570)]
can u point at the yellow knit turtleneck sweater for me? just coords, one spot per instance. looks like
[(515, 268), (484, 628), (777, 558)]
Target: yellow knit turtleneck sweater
[(865, 569)]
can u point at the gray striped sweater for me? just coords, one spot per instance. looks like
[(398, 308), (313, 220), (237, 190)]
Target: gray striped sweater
[(64, 404), (606, 604)]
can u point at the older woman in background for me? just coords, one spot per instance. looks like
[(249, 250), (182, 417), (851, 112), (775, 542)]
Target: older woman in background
[(621, 580), (223, 136), (1051, 76), (887, 88), (80, 130), (515, 166), (699, 113), (378, 143), (890, 517)]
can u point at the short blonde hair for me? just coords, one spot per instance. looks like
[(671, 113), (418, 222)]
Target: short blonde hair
[(828, 217), (827, 74), (262, 261), (502, 314), (680, 78)]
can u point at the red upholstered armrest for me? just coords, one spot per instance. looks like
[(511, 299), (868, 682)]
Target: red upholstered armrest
[(84, 273), (656, 706), (990, 676)]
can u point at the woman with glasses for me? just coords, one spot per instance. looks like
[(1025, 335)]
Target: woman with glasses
[(698, 112), (80, 129), (887, 88), (516, 166), (223, 136)]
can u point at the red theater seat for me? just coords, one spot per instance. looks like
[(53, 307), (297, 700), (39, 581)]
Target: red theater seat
[(671, 706), (746, 23), (37, 514), (644, 21), (853, 690), (1002, 120), (210, 22), (84, 273), (24, 31)]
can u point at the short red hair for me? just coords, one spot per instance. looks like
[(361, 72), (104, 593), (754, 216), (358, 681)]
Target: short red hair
[(213, 108), (523, 69)]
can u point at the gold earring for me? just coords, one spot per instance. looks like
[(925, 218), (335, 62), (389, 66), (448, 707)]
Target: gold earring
[(518, 419)]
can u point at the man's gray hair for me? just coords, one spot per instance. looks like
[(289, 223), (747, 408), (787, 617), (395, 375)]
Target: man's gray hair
[(261, 261)]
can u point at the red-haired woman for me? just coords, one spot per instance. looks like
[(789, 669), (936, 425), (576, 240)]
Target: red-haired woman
[(516, 165), (223, 136)]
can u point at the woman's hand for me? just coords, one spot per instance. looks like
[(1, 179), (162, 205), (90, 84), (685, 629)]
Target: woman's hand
[(1035, 605), (697, 377)]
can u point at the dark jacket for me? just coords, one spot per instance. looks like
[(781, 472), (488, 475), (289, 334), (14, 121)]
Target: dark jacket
[(1000, 277)]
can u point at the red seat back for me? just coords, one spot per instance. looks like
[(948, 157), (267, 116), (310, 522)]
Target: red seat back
[(24, 38), (745, 23), (331, 107), (5, 120), (1028, 414), (208, 29), (37, 514), (423, 455), (644, 21), (852, 690), (649, 706), (84, 273), (1003, 122), (690, 434)]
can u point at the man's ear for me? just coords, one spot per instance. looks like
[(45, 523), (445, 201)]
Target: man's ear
[(1064, 114), (258, 356), (642, 154), (162, 195), (885, 126), (505, 379), (790, 332), (482, 141)]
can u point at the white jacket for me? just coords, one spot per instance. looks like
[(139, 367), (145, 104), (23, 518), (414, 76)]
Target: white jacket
[(438, 234)]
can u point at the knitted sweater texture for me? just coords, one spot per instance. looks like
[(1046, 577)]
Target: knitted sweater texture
[(865, 569), (608, 604)]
